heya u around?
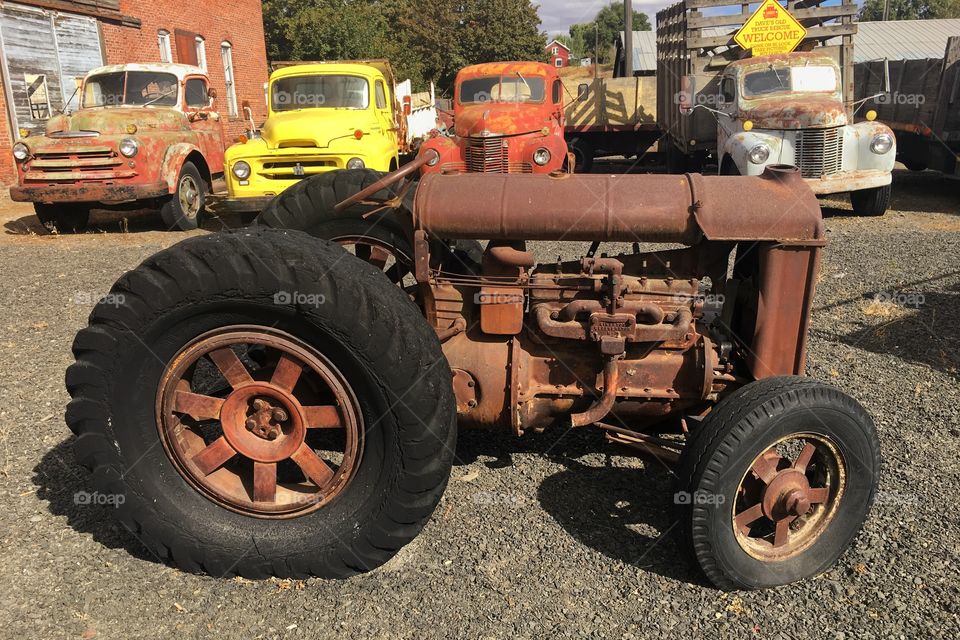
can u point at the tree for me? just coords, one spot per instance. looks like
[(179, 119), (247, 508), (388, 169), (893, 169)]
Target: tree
[(910, 9), (608, 23)]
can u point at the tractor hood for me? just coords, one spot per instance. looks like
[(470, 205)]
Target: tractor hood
[(502, 119), (316, 127), (116, 120), (794, 112)]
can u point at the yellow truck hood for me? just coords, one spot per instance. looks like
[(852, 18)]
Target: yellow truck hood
[(316, 127)]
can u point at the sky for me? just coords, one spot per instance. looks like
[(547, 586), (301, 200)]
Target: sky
[(558, 15)]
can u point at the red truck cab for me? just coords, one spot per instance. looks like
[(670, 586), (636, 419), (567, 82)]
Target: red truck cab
[(508, 118), (146, 135)]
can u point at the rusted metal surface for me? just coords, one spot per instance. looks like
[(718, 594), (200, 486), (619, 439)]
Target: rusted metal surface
[(78, 160), (498, 133), (624, 208), (788, 497), (275, 399)]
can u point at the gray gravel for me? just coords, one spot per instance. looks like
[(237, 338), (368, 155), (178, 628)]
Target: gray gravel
[(544, 535)]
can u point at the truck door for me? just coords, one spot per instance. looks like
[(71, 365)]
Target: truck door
[(204, 121), (727, 124), (385, 113)]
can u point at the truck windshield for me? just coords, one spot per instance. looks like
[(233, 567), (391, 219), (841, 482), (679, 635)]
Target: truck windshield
[(139, 88), (810, 79), (320, 92), (506, 89)]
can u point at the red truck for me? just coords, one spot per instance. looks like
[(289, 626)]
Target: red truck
[(508, 118), (146, 135)]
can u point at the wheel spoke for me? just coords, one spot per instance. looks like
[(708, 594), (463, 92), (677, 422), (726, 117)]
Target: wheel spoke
[(782, 535), (765, 468), (311, 464), (198, 406), (214, 456), (323, 417), (745, 518), (287, 373), (818, 496), (231, 367), (378, 257), (800, 464), (362, 251), (264, 481), (397, 272)]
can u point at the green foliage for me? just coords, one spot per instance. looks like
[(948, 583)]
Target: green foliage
[(910, 9), (608, 23), (423, 39)]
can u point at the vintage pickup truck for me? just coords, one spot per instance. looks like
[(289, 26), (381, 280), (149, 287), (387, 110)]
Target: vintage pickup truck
[(323, 116), (146, 135)]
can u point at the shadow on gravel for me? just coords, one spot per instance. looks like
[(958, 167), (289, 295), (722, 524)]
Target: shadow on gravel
[(623, 513), (68, 491), (927, 334), (112, 222)]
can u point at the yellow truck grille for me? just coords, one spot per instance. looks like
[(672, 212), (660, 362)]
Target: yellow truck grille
[(294, 169), (819, 152)]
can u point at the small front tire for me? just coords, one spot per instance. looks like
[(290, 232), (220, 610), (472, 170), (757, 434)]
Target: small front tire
[(777, 482), (185, 208)]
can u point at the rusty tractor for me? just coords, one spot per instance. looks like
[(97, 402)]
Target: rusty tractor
[(273, 403)]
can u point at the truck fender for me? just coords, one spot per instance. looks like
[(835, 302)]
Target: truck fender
[(739, 145), (173, 161)]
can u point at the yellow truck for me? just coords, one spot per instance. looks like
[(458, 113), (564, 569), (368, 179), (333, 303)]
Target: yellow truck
[(322, 116)]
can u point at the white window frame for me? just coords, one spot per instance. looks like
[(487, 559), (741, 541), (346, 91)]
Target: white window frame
[(559, 63), (201, 45), (556, 51), (165, 45), (229, 78)]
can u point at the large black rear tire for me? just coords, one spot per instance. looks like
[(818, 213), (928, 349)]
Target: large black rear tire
[(294, 288)]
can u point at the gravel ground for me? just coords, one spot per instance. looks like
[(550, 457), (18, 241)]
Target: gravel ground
[(549, 534)]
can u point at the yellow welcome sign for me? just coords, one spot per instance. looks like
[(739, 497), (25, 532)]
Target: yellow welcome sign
[(771, 29)]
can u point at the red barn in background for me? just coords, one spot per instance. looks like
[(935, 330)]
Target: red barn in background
[(559, 54)]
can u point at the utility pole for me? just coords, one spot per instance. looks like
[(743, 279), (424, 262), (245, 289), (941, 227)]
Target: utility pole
[(628, 38), (596, 53)]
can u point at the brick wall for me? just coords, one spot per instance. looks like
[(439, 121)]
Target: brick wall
[(239, 22)]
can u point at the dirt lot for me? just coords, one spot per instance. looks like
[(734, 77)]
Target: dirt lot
[(546, 535)]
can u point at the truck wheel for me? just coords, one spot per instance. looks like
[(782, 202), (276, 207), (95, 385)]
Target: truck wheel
[(261, 403), (63, 217), (777, 482), (583, 153), (871, 202), (185, 209)]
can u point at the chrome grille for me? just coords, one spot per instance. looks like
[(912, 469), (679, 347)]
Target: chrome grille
[(487, 155), (819, 152)]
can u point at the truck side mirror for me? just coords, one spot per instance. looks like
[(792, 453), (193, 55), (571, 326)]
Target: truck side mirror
[(407, 105), (685, 99), (583, 91)]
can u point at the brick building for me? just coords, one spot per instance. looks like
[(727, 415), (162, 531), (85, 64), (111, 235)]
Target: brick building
[(46, 44)]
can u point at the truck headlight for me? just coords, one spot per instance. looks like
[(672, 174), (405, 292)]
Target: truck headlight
[(129, 147), (881, 143), (241, 170), (21, 152), (356, 163), (759, 154), (541, 156)]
